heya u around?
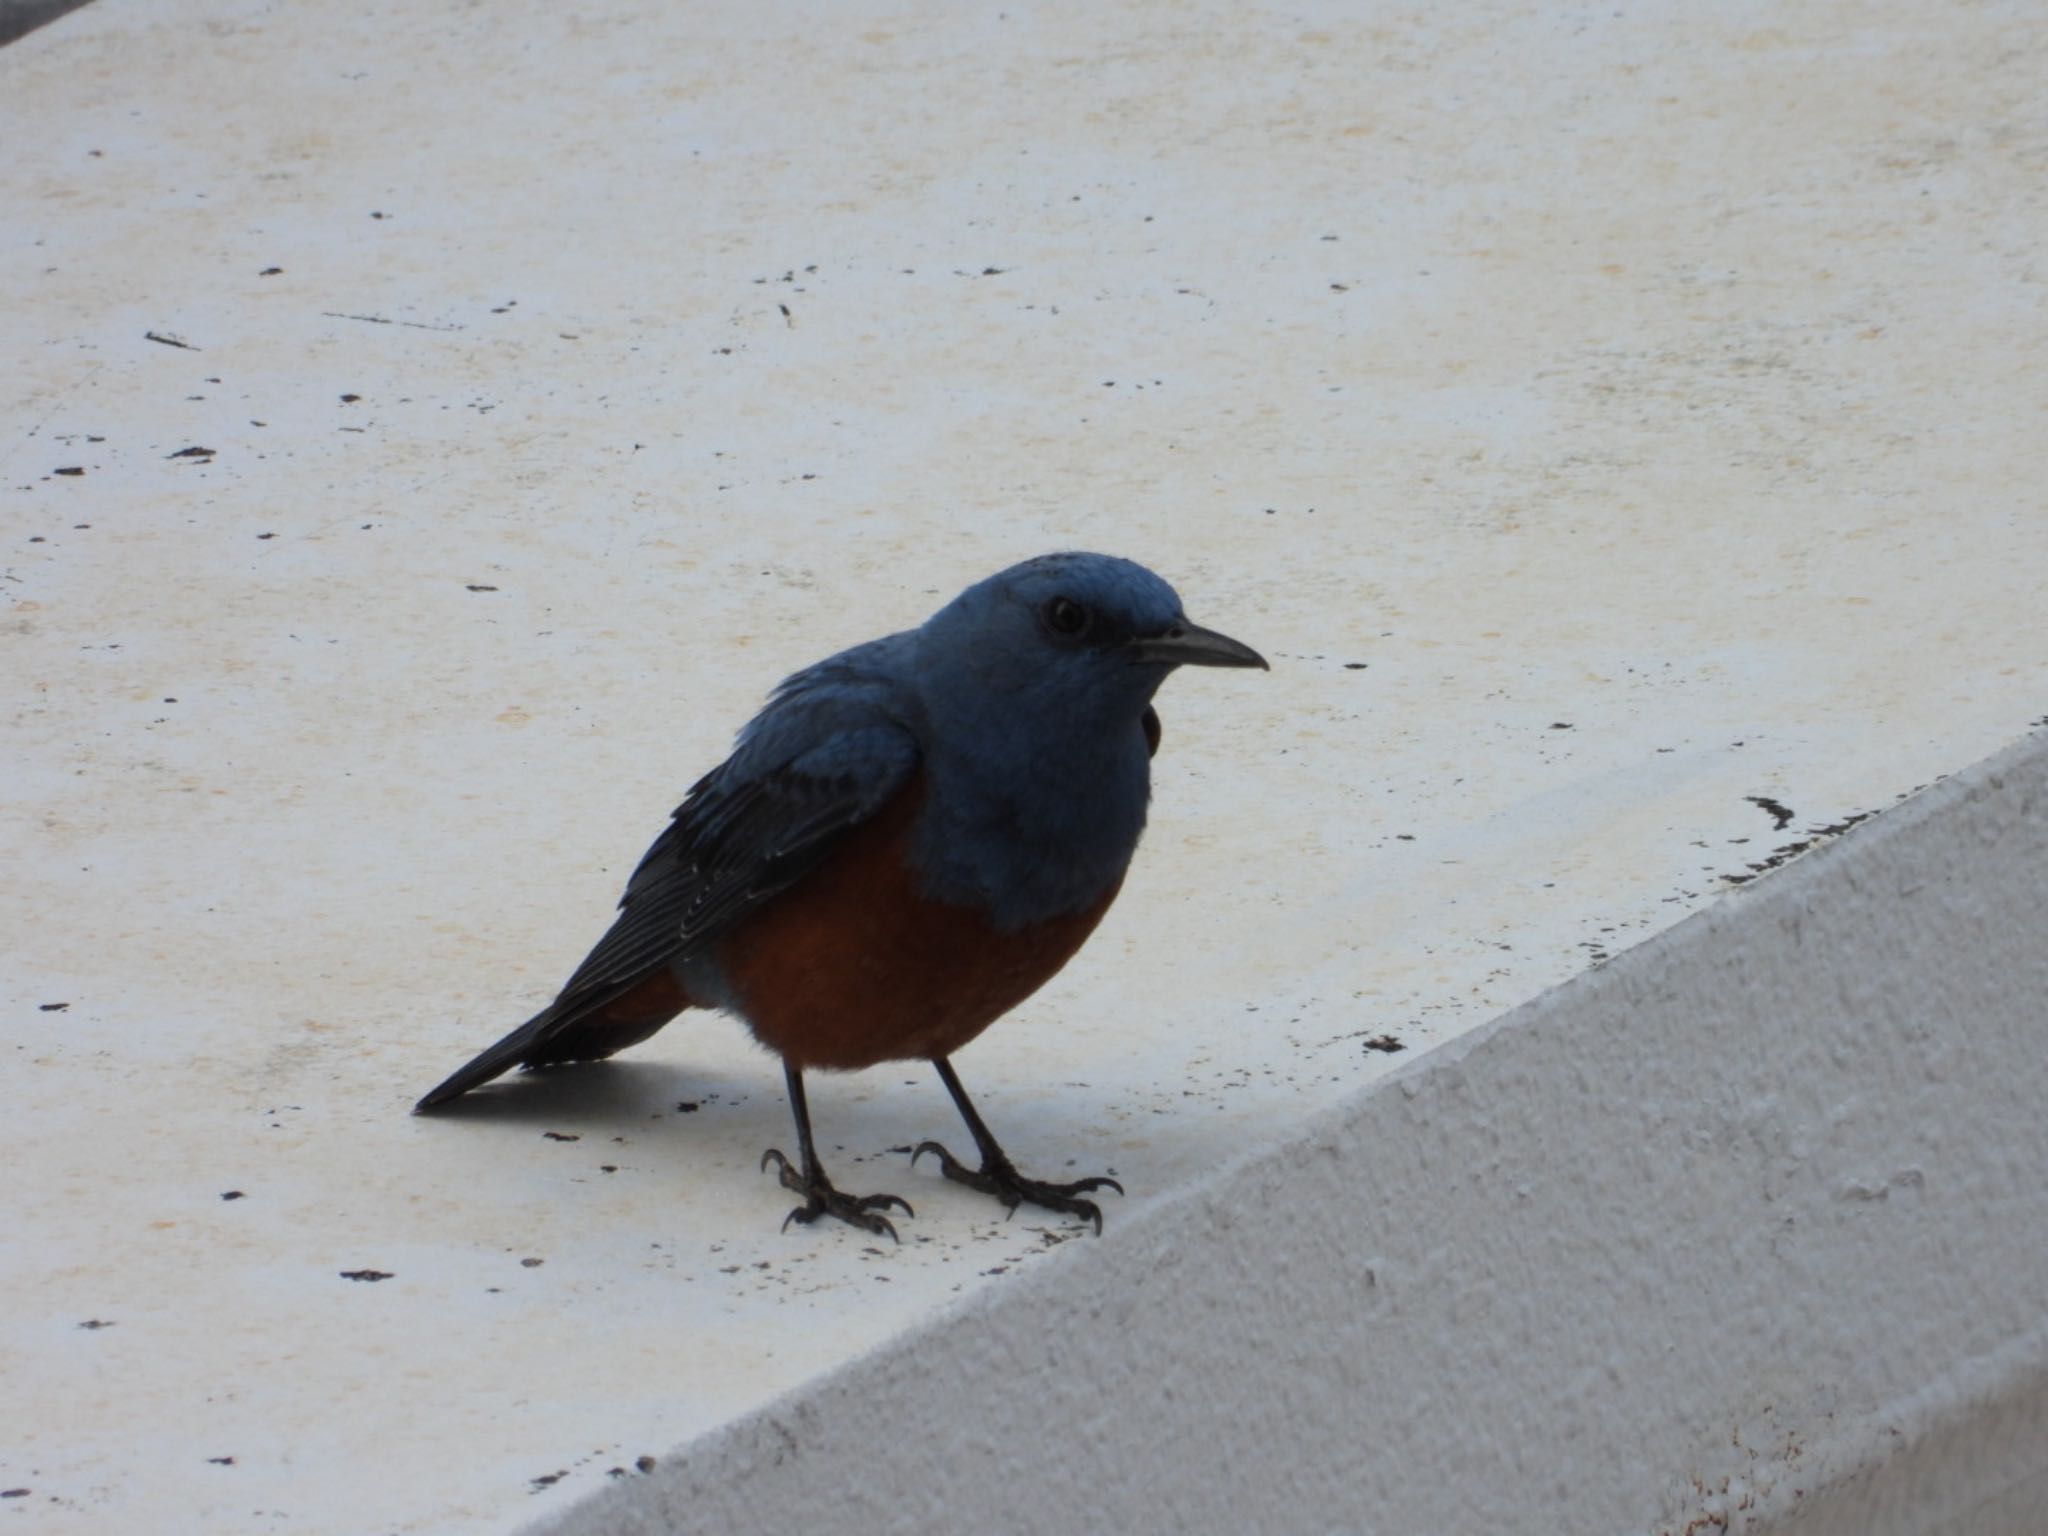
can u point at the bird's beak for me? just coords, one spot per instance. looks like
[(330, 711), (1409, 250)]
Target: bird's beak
[(1190, 645)]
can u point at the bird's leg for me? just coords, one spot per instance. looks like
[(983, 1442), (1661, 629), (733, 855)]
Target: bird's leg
[(820, 1198), (997, 1175)]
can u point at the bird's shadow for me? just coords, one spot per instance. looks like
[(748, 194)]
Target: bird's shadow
[(607, 1095)]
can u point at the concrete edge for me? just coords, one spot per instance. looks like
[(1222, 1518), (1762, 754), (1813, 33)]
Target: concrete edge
[(1621, 1256), (1946, 1459)]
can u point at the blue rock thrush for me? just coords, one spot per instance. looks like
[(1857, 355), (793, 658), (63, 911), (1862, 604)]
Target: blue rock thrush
[(910, 839)]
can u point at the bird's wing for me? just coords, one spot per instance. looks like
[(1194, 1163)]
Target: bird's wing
[(832, 748), (747, 832)]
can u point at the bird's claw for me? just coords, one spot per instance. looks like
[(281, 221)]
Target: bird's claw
[(997, 1177), (821, 1199)]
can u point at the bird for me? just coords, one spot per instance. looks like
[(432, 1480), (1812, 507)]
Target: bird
[(909, 839)]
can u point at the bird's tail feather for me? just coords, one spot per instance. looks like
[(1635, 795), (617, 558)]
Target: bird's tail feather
[(508, 1053), (581, 1025)]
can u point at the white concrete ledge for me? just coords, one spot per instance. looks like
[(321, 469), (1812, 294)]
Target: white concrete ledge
[(1741, 1232)]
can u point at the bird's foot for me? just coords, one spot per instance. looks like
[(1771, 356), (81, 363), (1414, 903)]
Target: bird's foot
[(997, 1177), (821, 1199)]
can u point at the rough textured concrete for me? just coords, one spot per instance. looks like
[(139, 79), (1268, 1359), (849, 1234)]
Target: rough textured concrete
[(1621, 429), (1750, 1218)]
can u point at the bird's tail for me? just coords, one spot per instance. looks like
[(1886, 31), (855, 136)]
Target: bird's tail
[(580, 1025), (516, 1048)]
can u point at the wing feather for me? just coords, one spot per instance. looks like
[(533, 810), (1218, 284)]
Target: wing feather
[(833, 746), (733, 846)]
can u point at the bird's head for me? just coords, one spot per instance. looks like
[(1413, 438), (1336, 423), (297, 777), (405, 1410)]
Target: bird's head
[(1089, 636)]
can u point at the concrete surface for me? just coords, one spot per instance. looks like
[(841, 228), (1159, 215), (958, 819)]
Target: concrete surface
[(1621, 429)]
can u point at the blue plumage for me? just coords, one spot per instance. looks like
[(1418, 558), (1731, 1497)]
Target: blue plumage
[(1040, 772)]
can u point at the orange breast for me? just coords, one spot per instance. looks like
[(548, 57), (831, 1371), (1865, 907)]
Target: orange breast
[(852, 966)]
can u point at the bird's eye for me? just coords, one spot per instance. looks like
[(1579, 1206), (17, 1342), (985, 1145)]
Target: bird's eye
[(1064, 616)]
